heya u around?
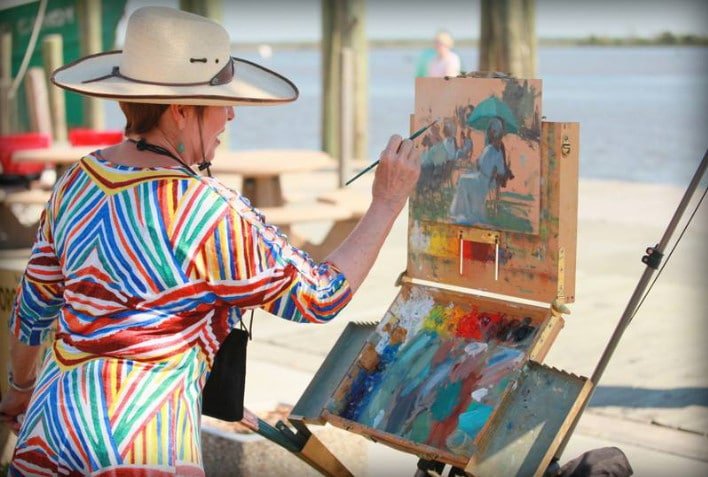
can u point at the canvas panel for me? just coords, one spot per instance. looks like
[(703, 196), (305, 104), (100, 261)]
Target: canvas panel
[(538, 266), (481, 160)]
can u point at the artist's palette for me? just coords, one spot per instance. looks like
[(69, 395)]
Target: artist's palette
[(436, 367)]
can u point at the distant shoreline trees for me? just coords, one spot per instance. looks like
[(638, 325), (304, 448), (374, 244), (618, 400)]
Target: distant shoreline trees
[(666, 38), (662, 39)]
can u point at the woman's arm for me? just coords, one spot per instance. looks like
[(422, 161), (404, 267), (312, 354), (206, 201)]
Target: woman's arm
[(23, 366), (257, 267), (395, 179)]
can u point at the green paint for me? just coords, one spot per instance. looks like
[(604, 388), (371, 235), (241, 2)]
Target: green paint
[(433, 203), (445, 401), (420, 430), (506, 218), (435, 321), (517, 196)]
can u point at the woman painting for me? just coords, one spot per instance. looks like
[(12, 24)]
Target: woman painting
[(143, 266)]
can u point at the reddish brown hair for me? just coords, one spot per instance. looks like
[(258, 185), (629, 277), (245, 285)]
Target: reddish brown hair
[(144, 117), (141, 117)]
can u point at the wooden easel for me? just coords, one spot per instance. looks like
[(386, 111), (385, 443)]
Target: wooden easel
[(535, 410), (301, 442)]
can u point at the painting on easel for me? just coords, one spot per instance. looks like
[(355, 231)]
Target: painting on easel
[(481, 161), (436, 368)]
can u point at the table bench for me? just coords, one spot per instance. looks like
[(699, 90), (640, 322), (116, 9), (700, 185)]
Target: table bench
[(355, 203)]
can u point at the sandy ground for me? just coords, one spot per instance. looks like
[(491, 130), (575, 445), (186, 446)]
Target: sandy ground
[(657, 380)]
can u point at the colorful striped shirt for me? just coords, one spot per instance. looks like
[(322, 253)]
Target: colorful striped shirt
[(143, 272)]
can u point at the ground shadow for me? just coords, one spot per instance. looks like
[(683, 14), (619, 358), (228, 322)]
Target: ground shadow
[(626, 396)]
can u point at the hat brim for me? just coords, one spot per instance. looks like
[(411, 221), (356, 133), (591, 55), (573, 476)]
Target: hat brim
[(252, 85)]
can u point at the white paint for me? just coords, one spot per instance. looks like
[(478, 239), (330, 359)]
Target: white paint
[(418, 240), (379, 417), (475, 348), (479, 394), (412, 311)]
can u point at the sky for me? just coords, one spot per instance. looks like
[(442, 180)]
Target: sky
[(299, 20)]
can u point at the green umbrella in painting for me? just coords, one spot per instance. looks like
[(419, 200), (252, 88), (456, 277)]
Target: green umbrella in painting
[(492, 107)]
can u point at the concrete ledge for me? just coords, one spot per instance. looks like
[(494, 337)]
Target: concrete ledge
[(250, 455)]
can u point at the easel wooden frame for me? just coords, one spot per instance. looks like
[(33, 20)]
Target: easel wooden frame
[(560, 144)]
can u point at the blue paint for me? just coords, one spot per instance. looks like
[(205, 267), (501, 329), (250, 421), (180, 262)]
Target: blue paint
[(503, 354), (476, 416), (363, 385)]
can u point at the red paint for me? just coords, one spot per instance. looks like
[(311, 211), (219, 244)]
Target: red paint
[(468, 326), (479, 252)]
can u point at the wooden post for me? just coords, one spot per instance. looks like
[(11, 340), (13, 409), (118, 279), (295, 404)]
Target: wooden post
[(331, 44), (346, 122), (89, 15), (508, 37), (38, 101), (357, 41), (207, 8), (6, 104), (52, 53), (343, 27)]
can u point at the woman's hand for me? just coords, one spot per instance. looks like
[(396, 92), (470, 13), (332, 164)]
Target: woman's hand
[(12, 407), (396, 174)]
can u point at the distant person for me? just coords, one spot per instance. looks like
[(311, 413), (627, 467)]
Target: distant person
[(441, 61)]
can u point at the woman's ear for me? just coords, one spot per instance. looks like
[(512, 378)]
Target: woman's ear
[(180, 114)]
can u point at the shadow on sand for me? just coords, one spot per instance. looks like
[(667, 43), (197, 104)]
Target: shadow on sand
[(625, 396)]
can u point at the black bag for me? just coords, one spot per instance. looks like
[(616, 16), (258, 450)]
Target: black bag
[(606, 462), (222, 396)]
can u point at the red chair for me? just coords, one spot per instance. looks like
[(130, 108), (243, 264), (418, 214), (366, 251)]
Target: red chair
[(21, 172), (92, 137)]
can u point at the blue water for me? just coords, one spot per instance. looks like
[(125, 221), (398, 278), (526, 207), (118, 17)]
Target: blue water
[(643, 112)]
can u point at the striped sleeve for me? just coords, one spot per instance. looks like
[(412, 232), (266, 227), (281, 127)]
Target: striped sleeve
[(40, 292), (243, 246)]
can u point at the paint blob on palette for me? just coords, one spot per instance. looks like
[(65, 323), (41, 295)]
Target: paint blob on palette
[(481, 163), (436, 367)]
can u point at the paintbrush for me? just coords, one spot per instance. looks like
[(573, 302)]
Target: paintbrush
[(376, 162)]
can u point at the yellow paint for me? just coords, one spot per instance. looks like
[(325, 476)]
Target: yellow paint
[(442, 244), (443, 320)]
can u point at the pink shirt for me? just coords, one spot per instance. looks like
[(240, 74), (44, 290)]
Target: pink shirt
[(446, 66)]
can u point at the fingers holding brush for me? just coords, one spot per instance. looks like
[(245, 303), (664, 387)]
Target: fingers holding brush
[(397, 173)]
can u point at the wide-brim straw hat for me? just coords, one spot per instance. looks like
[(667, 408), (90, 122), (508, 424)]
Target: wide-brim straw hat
[(175, 57)]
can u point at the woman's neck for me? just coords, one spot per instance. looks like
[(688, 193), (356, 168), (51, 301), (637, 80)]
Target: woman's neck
[(127, 154)]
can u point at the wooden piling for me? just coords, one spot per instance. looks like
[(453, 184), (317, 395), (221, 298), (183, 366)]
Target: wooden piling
[(343, 27), (89, 16), (6, 104), (38, 101), (52, 54), (508, 37), (207, 8), (346, 122)]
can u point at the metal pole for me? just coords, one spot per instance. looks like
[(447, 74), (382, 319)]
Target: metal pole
[(652, 261)]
